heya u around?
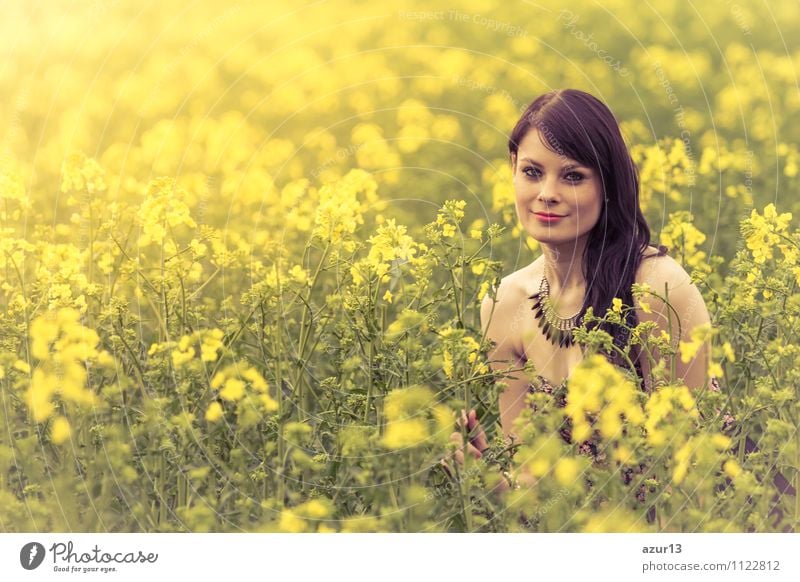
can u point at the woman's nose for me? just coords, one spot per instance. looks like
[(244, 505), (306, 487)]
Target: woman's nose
[(548, 191)]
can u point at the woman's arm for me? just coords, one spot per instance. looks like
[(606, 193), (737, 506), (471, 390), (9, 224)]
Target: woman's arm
[(689, 312), (498, 321)]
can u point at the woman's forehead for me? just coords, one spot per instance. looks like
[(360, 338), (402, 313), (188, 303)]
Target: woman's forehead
[(533, 148)]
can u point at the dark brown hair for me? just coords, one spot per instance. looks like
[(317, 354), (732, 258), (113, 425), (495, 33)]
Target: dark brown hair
[(579, 126)]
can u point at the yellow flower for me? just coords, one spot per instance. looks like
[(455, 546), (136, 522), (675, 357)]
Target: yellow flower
[(617, 305), (622, 454), (565, 471), (413, 418), (162, 210), (597, 387), (447, 365), (661, 405), (233, 390), (407, 402), (212, 341), (700, 335), (339, 212), (715, 370), (732, 468), (291, 523), (359, 524), (721, 441), (617, 520), (255, 379), (401, 434), (80, 173), (64, 347), (22, 365), (179, 358), (682, 459), (299, 274), (728, 351), (214, 412), (485, 289), (61, 430)]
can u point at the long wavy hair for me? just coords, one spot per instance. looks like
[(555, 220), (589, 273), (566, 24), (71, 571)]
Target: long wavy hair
[(579, 126)]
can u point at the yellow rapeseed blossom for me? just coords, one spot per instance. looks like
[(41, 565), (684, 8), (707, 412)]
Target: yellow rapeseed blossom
[(483, 290), (214, 412), (763, 232), (447, 363), (681, 234), (163, 209), (212, 341), (699, 336), (233, 389), (413, 418), (597, 387), (409, 321), (728, 351), (339, 211), (541, 455), (181, 357), (401, 434), (79, 173), (732, 468), (715, 370), (60, 430), (668, 401), (236, 381), (617, 520), (290, 522), (566, 471), (682, 459), (478, 268), (63, 347), (306, 516)]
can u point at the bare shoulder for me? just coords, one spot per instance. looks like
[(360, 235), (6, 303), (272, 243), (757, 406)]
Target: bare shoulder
[(501, 313), (667, 278), (515, 287), (660, 270)]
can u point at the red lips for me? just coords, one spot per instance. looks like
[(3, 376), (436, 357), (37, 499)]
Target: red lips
[(548, 215)]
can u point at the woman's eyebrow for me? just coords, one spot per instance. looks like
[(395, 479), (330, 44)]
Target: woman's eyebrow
[(565, 168)]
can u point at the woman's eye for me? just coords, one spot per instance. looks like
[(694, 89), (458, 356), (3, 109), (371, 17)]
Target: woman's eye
[(531, 172), (574, 177)]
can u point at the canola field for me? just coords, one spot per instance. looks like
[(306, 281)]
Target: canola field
[(244, 247)]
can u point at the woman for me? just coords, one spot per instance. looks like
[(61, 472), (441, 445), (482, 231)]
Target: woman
[(577, 194)]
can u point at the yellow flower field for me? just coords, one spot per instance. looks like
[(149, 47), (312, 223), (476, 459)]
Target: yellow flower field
[(244, 248)]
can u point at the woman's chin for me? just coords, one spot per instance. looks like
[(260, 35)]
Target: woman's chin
[(551, 238)]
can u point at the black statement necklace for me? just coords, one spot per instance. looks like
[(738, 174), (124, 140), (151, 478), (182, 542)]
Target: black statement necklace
[(557, 330)]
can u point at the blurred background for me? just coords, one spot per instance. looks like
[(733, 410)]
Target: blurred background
[(218, 311), (236, 100)]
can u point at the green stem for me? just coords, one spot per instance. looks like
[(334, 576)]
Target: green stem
[(305, 331)]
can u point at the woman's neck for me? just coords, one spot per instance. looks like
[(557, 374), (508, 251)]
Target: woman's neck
[(563, 267)]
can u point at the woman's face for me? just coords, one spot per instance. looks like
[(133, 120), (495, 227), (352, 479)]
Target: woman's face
[(547, 183)]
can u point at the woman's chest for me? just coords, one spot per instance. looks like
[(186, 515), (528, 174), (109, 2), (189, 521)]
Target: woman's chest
[(550, 360)]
